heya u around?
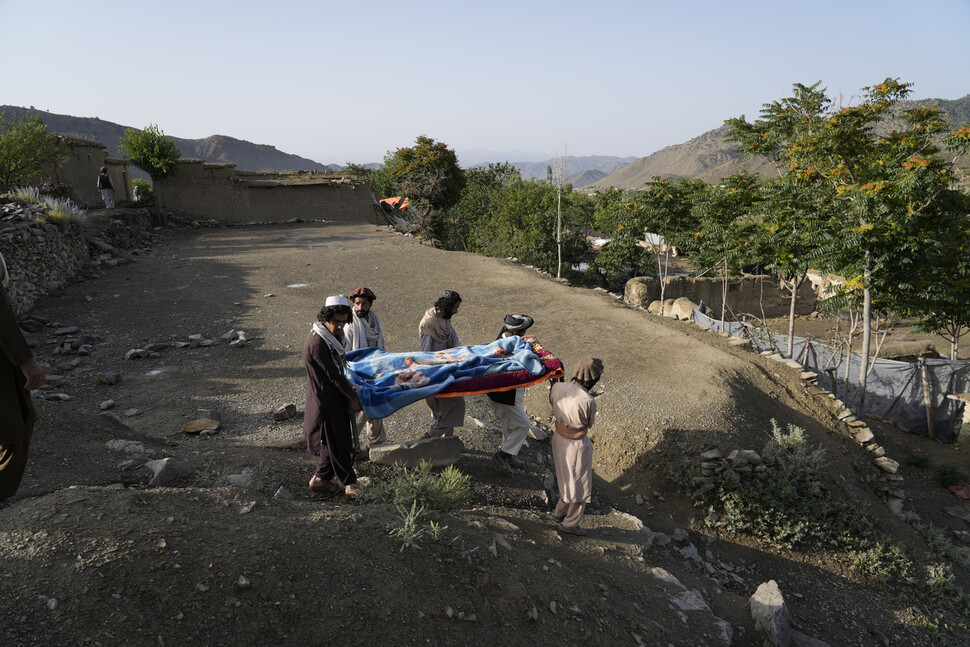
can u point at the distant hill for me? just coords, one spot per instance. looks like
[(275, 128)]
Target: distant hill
[(709, 157), (585, 178), (574, 166), (247, 156)]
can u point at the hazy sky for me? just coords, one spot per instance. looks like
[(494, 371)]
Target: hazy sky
[(348, 81)]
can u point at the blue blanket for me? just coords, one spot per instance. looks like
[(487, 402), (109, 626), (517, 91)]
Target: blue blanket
[(386, 382)]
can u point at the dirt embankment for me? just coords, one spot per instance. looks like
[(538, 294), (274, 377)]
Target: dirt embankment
[(93, 556)]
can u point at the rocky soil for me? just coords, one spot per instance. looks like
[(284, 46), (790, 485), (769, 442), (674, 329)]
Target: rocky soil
[(237, 550)]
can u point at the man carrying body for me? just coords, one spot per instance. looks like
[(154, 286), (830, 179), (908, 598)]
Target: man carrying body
[(572, 452), (437, 333), (509, 406), (365, 331), (19, 373), (329, 400)]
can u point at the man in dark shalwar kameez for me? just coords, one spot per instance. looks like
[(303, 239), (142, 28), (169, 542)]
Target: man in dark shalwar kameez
[(19, 373), (330, 401)]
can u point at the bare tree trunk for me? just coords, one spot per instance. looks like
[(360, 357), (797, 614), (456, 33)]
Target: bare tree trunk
[(559, 178), (927, 400), (866, 332), (793, 286), (724, 292)]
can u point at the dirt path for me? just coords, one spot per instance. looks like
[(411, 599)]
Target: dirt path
[(134, 566)]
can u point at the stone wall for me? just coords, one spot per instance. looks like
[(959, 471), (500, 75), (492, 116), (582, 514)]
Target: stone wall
[(745, 295), (219, 191), (40, 256)]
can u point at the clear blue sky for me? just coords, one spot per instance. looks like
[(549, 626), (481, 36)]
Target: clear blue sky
[(348, 81)]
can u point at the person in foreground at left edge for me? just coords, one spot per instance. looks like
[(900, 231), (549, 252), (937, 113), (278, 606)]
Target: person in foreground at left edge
[(19, 374), (330, 401)]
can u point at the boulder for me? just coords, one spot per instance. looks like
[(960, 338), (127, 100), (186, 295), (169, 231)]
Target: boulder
[(167, 472), (436, 452), (771, 616), (683, 308)]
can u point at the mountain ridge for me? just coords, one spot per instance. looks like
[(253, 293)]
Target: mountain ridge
[(247, 156), (710, 157)]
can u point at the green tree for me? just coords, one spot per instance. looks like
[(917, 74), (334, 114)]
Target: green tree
[(669, 215), (876, 190), (27, 150), (621, 217), (940, 296), (151, 151), (427, 174), (484, 194), (523, 224), (727, 228)]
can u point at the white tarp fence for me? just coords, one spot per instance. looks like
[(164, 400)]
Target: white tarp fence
[(894, 390)]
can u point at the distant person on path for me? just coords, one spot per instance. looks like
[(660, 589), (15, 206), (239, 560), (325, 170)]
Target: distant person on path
[(106, 189), (365, 331), (329, 400), (437, 333), (572, 452), (509, 406), (19, 374), (136, 193)]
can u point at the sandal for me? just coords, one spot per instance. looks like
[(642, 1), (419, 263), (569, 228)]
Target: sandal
[(575, 530), (352, 491), (317, 484)]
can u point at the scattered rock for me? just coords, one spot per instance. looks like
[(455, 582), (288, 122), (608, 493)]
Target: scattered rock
[(199, 425), (886, 464), (434, 451), (284, 412), (168, 472)]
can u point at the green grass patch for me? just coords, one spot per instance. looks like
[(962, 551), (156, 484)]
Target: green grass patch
[(444, 490)]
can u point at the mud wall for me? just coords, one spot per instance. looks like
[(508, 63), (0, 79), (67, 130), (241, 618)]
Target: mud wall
[(219, 191)]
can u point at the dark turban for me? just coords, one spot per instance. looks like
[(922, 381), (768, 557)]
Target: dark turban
[(589, 369), (367, 293), (517, 323)]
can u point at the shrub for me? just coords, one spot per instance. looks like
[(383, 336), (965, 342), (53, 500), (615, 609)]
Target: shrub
[(410, 532), (918, 460), (446, 490), (789, 507), (880, 562), (947, 475), (60, 211)]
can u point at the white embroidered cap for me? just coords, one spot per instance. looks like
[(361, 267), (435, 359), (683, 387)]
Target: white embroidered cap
[(338, 300)]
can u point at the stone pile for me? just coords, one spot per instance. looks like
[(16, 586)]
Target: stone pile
[(740, 465)]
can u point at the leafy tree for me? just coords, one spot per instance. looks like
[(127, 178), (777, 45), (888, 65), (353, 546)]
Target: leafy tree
[(670, 216), (727, 228), (426, 173), (356, 170), (523, 224), (27, 150), (939, 298), (876, 192), (621, 216), (151, 151), (484, 193)]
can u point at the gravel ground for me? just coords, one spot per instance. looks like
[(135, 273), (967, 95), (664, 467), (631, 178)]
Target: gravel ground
[(127, 564)]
